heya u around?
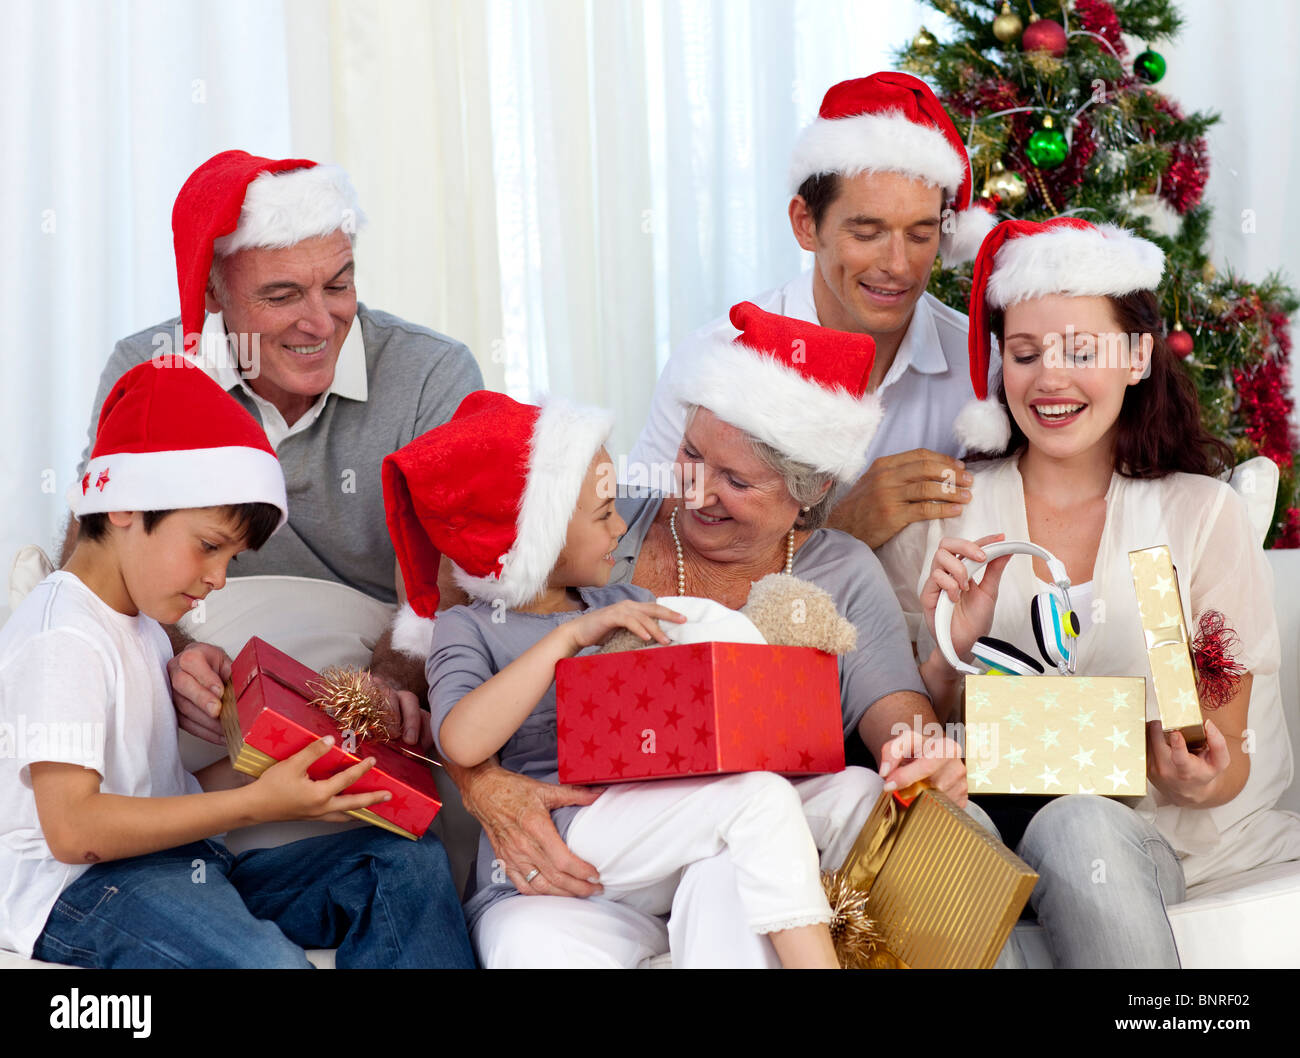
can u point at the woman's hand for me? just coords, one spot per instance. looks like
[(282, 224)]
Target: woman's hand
[(515, 812), (910, 757), (640, 618), (973, 603), (1186, 778)]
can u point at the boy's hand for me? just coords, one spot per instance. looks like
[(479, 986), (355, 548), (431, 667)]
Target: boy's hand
[(640, 618), (285, 791), (197, 675)]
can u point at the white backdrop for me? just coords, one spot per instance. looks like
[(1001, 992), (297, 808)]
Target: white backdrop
[(569, 186)]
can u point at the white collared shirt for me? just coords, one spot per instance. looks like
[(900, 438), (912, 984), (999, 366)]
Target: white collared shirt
[(925, 387), (223, 364)]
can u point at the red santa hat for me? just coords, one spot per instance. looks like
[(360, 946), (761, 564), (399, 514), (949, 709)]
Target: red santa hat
[(235, 201), (892, 122), (170, 438), (493, 489), (792, 384), (1022, 259)]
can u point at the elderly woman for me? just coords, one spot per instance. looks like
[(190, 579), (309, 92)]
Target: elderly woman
[(777, 421)]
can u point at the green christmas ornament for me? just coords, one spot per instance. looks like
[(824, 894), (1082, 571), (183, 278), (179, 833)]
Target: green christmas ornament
[(1047, 147), (1150, 66)]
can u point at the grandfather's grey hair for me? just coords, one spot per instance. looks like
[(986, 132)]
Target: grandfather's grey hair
[(804, 483)]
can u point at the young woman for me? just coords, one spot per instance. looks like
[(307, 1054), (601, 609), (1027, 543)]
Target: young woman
[(1100, 452)]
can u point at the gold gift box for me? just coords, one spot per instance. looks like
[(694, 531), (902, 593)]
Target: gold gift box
[(1056, 735), (1168, 647), (943, 892)]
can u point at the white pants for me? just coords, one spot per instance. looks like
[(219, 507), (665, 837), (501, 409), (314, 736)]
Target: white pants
[(727, 859)]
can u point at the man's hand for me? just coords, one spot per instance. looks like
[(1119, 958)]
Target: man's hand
[(900, 489), (516, 815), (197, 675), (414, 721)]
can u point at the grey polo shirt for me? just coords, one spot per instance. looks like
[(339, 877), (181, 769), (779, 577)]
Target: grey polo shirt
[(415, 379)]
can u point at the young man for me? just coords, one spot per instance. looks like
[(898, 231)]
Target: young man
[(881, 186), (105, 840)]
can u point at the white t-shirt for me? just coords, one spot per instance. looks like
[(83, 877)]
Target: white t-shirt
[(1220, 566), (81, 684), (925, 387)]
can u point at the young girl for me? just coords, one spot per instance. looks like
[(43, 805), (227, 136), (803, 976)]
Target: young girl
[(521, 500), (1105, 453)]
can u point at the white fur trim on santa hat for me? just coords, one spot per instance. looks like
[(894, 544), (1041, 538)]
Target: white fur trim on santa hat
[(412, 634), (828, 430), (962, 243), (1104, 261), (283, 209), (564, 441), (983, 426), (884, 142), (179, 479)]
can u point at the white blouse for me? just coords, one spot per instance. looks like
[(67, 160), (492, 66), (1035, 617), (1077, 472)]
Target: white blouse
[(1219, 567)]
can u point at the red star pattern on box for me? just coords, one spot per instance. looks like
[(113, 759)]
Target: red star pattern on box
[(274, 716), (701, 709)]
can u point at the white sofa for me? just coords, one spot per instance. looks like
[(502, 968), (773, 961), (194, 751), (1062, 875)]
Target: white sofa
[(1246, 920)]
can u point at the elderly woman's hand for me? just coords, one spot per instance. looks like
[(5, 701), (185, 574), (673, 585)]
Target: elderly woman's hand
[(515, 812), (910, 757)]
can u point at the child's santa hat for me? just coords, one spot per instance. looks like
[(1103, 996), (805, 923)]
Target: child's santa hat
[(493, 489), (1023, 259), (892, 122), (799, 387), (235, 201), (170, 438)]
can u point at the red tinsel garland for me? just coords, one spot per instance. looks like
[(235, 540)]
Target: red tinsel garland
[(1215, 650), (1097, 16)]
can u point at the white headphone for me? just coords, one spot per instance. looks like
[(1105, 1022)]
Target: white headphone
[(1055, 624)]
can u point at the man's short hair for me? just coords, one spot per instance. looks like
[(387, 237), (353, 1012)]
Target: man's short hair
[(254, 522), (818, 192)]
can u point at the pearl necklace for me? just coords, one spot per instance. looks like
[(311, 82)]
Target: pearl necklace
[(681, 565)]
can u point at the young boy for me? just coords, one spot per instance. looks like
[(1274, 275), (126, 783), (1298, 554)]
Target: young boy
[(105, 840)]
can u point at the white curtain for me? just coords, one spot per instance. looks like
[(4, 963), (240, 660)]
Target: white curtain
[(569, 186)]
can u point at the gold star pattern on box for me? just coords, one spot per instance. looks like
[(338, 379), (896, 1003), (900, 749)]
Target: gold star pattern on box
[(1160, 606), (1056, 735)]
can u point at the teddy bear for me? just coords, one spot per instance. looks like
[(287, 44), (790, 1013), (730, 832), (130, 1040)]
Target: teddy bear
[(782, 611)]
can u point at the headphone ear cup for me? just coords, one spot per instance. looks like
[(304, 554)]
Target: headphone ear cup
[(1052, 628), (1004, 658)]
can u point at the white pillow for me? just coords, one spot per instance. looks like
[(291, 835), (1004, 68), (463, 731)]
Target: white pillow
[(1256, 482)]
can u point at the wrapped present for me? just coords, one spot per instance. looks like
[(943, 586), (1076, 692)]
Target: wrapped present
[(1172, 676), (1056, 735), (698, 709), (267, 716), (925, 887)]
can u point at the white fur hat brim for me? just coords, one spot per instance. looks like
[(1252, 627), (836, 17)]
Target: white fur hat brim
[(882, 142), (564, 441), (283, 209), (962, 242), (1100, 261), (828, 430), (412, 634)]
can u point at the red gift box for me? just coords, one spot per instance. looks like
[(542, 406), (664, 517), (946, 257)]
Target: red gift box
[(698, 709), (267, 717)]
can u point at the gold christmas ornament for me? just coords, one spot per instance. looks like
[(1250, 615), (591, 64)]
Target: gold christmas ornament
[(1007, 27), (856, 938), (924, 40), (1208, 271), (1008, 188)]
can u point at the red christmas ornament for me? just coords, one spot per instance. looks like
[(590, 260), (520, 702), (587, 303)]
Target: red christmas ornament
[(1044, 35), (1215, 650), (1179, 342)]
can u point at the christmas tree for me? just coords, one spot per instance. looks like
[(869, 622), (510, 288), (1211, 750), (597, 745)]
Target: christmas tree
[(1060, 118)]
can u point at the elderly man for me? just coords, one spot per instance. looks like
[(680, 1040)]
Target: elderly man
[(881, 186), (264, 248)]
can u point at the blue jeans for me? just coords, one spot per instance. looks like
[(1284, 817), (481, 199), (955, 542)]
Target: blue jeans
[(1105, 878), (384, 901)]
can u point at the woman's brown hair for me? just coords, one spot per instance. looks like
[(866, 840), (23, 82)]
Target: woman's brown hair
[(1160, 428)]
